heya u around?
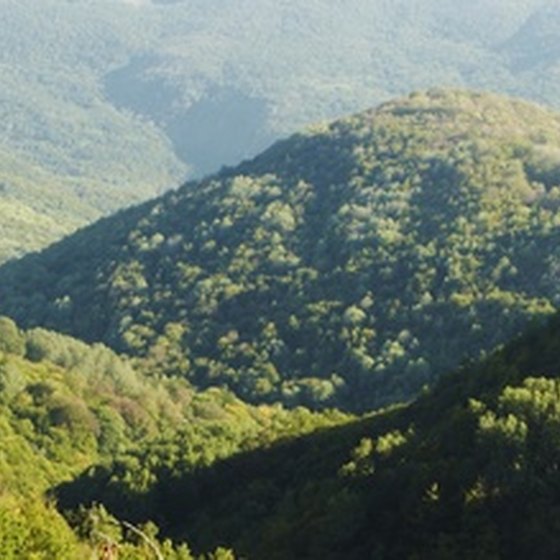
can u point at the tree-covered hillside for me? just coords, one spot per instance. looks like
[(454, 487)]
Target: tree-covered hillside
[(36, 207), (106, 102), (65, 406), (469, 471), (350, 265)]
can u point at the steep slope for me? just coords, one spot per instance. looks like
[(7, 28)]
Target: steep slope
[(349, 265), (469, 471), (120, 99), (65, 406), (179, 62)]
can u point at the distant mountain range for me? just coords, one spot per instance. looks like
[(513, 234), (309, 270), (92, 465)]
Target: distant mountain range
[(350, 265), (107, 103)]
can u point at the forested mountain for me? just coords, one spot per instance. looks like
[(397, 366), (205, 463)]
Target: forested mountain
[(350, 265), (106, 102), (469, 471), (228, 332), (65, 406)]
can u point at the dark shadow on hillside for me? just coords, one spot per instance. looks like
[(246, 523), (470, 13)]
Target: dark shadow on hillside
[(32, 287), (292, 495), (181, 502)]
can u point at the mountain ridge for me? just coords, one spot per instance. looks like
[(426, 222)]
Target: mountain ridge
[(372, 252), (66, 406)]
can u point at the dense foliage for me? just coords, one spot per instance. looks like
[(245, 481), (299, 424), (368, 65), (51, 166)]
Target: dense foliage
[(65, 406), (469, 471), (351, 265), (104, 102)]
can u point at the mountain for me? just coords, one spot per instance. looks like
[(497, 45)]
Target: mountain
[(469, 471), (66, 406), (533, 49), (120, 99), (350, 265)]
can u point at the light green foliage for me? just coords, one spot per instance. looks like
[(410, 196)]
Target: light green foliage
[(31, 530), (66, 407), (11, 340), (349, 266)]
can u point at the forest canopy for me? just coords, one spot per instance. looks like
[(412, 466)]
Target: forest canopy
[(350, 265)]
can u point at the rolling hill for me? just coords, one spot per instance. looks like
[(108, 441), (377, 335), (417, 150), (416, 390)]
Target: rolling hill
[(349, 265)]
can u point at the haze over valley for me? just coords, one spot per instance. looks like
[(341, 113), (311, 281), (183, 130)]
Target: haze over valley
[(106, 103)]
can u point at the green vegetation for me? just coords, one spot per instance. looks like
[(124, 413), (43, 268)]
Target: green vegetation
[(348, 266), (105, 103), (469, 471), (67, 156), (352, 266), (65, 406), (36, 208)]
